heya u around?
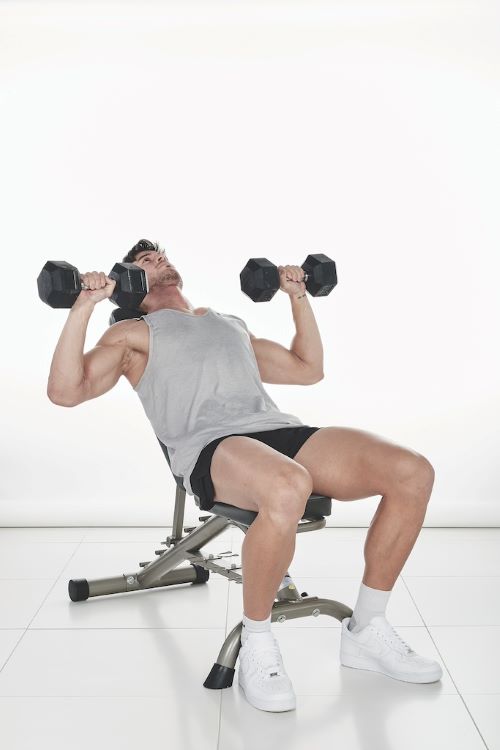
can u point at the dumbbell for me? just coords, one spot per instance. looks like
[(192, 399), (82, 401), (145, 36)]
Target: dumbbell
[(60, 283), (260, 279)]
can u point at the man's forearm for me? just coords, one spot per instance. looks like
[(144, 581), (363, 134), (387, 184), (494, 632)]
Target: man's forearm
[(306, 343)]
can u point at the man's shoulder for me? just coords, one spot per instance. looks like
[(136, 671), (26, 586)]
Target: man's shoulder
[(121, 330), (237, 318)]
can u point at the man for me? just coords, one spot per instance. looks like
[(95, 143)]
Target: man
[(200, 375)]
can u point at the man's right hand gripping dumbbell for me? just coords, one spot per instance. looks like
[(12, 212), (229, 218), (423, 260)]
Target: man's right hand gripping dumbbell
[(96, 286), (60, 285)]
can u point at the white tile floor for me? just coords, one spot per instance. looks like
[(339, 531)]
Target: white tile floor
[(125, 670)]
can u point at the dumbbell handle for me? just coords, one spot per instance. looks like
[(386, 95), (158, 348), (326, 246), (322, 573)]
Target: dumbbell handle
[(86, 288)]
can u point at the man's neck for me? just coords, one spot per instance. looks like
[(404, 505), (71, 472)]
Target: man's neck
[(169, 300)]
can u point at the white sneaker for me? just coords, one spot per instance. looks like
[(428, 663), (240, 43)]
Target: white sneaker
[(262, 676), (378, 648)]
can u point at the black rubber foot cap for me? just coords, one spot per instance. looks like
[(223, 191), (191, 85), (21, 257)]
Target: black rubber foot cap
[(202, 575), (219, 677), (78, 589)]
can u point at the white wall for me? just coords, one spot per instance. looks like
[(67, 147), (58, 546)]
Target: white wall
[(367, 131)]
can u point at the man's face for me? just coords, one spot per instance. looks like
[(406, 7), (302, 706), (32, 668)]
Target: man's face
[(158, 268)]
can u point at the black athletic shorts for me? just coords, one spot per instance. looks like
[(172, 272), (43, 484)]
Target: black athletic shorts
[(287, 440)]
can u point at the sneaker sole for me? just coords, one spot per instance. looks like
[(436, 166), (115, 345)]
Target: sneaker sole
[(280, 704), (373, 666)]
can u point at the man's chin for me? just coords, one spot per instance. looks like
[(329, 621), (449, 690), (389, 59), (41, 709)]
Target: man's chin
[(170, 280), (169, 277)]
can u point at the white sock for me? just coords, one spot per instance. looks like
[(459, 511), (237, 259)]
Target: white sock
[(371, 603), (254, 627)]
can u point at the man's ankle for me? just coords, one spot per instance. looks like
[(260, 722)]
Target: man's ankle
[(254, 627)]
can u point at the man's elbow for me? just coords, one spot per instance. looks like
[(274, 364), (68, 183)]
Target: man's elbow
[(315, 378), (60, 400)]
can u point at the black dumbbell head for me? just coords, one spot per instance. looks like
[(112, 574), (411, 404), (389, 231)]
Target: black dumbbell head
[(322, 274), (59, 284), (260, 279), (131, 284), (123, 313)]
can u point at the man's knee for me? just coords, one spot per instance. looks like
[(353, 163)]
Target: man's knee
[(426, 474), (288, 492), (414, 472)]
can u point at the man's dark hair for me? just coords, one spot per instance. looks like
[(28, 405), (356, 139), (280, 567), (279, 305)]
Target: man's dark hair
[(140, 247)]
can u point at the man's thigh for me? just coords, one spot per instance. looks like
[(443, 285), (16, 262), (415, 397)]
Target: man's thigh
[(244, 472), (350, 464)]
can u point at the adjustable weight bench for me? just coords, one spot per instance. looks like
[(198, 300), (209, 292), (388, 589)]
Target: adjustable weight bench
[(164, 571)]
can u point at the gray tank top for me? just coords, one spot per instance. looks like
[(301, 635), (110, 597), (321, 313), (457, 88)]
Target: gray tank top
[(202, 382)]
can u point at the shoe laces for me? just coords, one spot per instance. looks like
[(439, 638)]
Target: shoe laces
[(394, 639), (269, 656)]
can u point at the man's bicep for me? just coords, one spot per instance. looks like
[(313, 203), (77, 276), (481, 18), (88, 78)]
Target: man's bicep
[(106, 362), (278, 365), (103, 366)]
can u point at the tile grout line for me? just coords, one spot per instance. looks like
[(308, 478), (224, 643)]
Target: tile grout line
[(444, 662), (225, 636), (41, 605)]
